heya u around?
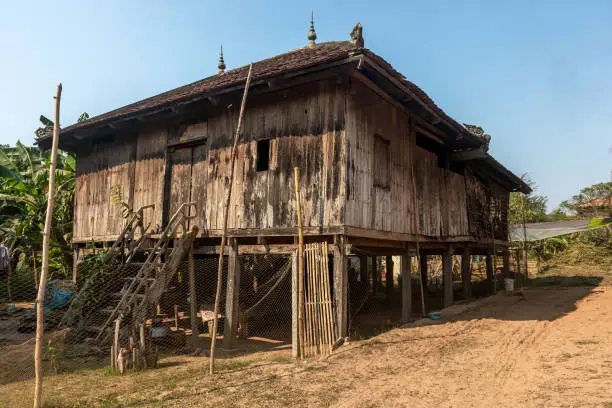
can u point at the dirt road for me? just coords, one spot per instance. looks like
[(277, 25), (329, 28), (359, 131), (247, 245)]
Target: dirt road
[(549, 348)]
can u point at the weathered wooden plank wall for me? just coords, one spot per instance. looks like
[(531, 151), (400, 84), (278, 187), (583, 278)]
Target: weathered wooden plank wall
[(441, 198), (305, 128)]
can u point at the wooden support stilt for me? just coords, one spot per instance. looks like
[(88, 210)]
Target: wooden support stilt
[(193, 300), (506, 261), (363, 272), (75, 264), (406, 288), (374, 274), (232, 297), (340, 287), (466, 273), (447, 275), (490, 271), (389, 275)]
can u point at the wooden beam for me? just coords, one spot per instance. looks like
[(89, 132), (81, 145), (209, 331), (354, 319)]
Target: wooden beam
[(193, 299), (468, 155), (447, 277), (406, 288), (232, 297)]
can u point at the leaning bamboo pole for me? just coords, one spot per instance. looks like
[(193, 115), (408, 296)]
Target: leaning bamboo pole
[(300, 311), (40, 298), (417, 226), (225, 215)]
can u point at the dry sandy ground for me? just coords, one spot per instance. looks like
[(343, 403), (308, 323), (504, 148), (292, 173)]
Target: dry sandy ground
[(549, 348)]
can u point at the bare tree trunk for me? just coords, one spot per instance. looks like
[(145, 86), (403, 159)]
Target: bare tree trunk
[(40, 299), (225, 214)]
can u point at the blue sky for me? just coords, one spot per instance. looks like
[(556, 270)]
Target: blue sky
[(537, 75)]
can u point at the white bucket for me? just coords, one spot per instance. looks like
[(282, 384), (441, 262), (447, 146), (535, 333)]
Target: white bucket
[(509, 285)]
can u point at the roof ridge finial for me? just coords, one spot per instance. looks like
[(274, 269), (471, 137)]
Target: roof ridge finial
[(357, 36), (221, 64), (312, 35)]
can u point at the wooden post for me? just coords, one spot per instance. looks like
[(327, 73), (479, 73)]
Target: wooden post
[(466, 273), (225, 216), (40, 298), (300, 264), (447, 275), (340, 287), (506, 261), (389, 275), (363, 272), (232, 297), (9, 280), (193, 299), (295, 346), (374, 274), (490, 272), (75, 264), (406, 288)]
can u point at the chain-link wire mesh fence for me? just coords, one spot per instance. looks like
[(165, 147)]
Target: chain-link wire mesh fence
[(375, 302), (81, 318)]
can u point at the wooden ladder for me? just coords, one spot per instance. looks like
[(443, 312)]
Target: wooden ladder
[(155, 273)]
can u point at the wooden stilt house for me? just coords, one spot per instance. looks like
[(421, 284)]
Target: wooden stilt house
[(383, 170)]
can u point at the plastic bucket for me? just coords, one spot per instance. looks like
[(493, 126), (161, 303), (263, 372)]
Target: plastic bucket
[(509, 285)]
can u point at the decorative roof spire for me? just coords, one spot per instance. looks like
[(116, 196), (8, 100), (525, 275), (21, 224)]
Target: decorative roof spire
[(357, 36), (312, 35), (221, 64)]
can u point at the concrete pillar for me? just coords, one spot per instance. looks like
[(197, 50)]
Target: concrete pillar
[(466, 273), (389, 275), (406, 288), (341, 287), (447, 277), (232, 297)]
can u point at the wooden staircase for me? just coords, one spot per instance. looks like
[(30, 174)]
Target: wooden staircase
[(141, 291)]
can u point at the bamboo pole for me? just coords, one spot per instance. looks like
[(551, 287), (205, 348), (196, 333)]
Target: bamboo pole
[(40, 298), (225, 216), (327, 295), (296, 173), (418, 229)]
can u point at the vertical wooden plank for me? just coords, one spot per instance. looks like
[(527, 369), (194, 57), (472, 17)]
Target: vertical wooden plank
[(447, 275), (193, 299), (232, 296), (406, 287)]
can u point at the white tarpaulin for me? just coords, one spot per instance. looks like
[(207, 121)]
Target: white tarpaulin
[(543, 230)]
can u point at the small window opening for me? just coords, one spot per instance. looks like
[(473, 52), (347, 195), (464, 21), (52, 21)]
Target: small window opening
[(263, 155)]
